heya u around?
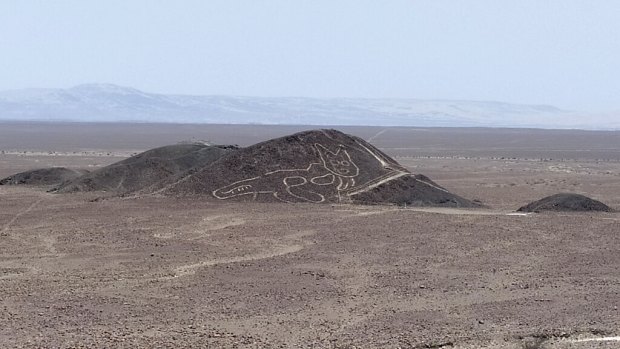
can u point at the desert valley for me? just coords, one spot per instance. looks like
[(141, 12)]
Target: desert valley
[(359, 237)]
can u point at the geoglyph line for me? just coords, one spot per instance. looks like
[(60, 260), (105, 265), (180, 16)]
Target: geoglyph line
[(337, 164), (254, 186), (16, 217)]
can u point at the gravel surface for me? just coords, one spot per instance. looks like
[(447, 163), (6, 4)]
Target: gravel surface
[(163, 272)]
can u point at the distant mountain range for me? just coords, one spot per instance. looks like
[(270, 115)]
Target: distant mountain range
[(112, 103)]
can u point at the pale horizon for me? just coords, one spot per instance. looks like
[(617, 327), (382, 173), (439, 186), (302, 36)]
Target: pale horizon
[(558, 53), (271, 97)]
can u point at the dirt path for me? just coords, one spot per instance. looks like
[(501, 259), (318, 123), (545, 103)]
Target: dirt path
[(373, 137)]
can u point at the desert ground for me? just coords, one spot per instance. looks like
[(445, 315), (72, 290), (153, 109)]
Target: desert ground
[(78, 271)]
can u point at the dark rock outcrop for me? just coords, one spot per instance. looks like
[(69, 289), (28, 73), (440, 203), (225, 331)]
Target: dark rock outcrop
[(565, 202)]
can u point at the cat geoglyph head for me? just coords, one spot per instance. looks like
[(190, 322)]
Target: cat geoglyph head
[(339, 162)]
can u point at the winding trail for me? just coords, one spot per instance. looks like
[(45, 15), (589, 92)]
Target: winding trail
[(372, 138), (168, 186), (595, 339), (289, 244), (190, 269)]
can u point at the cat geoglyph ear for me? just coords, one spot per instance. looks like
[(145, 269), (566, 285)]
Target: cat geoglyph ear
[(323, 150)]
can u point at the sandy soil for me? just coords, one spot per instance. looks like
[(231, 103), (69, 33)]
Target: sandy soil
[(162, 272)]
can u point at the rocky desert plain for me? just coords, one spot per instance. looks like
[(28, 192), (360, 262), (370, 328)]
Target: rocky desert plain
[(94, 270)]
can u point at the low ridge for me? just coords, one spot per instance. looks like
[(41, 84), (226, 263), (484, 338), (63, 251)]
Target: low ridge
[(146, 168), (43, 176), (565, 202)]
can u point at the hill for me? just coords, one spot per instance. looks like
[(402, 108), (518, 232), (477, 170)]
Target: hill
[(319, 166)]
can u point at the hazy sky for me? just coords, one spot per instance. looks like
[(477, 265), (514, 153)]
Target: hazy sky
[(560, 52)]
